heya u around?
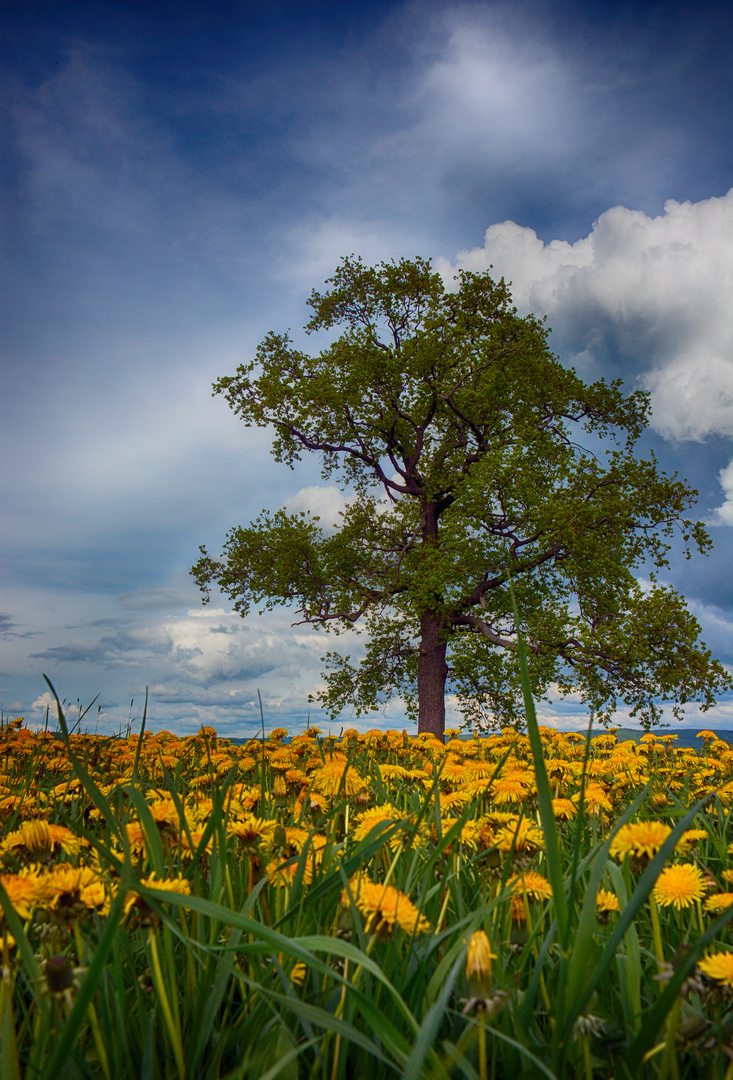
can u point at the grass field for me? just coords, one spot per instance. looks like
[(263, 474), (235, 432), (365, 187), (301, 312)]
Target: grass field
[(376, 905)]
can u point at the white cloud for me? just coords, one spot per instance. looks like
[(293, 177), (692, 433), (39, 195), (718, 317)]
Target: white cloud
[(45, 701), (497, 95), (723, 515), (326, 503), (652, 293)]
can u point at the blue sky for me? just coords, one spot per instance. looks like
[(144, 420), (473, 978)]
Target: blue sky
[(175, 179)]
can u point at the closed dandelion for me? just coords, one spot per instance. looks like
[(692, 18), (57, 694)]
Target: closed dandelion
[(479, 958)]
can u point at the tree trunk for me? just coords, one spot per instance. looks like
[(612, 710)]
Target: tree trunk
[(432, 671)]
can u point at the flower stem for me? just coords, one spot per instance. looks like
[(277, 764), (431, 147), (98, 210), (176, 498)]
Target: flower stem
[(170, 1023), (656, 931)]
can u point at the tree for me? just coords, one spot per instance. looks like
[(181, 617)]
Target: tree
[(453, 431)]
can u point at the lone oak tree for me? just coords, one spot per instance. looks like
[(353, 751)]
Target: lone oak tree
[(453, 430)]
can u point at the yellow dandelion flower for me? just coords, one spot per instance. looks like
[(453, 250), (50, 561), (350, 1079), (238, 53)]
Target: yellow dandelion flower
[(393, 772), (641, 839), (282, 759), (37, 840), (718, 902), (134, 901), (727, 875), (296, 776), (74, 890), (337, 777), (718, 966), (136, 838), (25, 891), (688, 839), (501, 817), (595, 799), (94, 896), (507, 791), (422, 775), (366, 822), (486, 834), (279, 787), (478, 963), (165, 815), (246, 796), (519, 911), (679, 886), (188, 846), (298, 971), (480, 770), (281, 872), (706, 736), (606, 902), (316, 804), (454, 771), (469, 834), (564, 809), (385, 907), (287, 840), (250, 830), (178, 884), (455, 799), (524, 836), (534, 885)]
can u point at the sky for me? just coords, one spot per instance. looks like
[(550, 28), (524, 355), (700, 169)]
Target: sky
[(176, 178)]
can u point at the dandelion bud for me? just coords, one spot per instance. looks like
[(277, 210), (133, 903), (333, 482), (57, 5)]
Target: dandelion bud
[(478, 964)]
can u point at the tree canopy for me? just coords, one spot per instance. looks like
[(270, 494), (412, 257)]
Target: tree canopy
[(454, 433)]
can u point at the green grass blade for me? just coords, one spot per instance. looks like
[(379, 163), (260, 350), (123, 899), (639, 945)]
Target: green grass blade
[(430, 1026), (628, 915), (544, 794), (583, 935), (654, 1018)]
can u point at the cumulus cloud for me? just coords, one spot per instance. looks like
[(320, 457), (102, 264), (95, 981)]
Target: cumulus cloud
[(723, 514), (648, 295), (44, 701)]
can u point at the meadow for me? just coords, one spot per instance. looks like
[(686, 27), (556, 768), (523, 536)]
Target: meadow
[(524, 904)]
